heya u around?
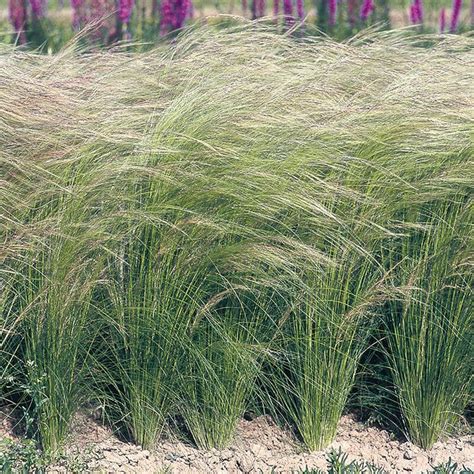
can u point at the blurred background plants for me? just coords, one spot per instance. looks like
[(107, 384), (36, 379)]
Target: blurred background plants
[(50, 24)]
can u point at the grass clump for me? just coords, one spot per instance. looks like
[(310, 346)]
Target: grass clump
[(430, 329)]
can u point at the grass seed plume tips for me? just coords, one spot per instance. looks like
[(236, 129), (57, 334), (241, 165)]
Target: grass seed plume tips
[(185, 240)]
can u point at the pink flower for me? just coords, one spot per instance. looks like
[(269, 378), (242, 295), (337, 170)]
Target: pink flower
[(457, 4), (442, 20), (166, 17), (260, 8), (17, 15), (351, 8), (190, 13), (332, 12), (414, 14), (419, 6), (78, 13), (276, 7), (288, 12), (174, 14), (37, 8), (366, 9), (98, 10), (300, 9), (125, 10)]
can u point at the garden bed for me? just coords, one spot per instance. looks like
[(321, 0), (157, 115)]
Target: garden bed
[(239, 221), (259, 446)]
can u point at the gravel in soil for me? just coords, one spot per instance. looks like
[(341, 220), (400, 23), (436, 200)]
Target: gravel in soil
[(260, 446)]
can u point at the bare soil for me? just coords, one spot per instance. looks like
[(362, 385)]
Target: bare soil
[(259, 446)]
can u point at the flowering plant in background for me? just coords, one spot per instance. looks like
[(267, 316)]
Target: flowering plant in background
[(260, 8), (174, 14), (442, 20), (276, 8), (332, 12), (366, 9), (79, 17), (457, 4), (413, 14), (100, 11), (125, 10), (37, 8), (351, 8), (113, 20), (416, 12), (300, 9), (18, 18), (288, 12)]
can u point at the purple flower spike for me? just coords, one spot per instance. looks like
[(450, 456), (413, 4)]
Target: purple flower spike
[(276, 8), (472, 13), (244, 6), (366, 9), (419, 10), (78, 17), (414, 14), (173, 14), (17, 15), (457, 4), (260, 8), (300, 9), (351, 8), (37, 8), (332, 12), (288, 12), (125, 10), (442, 20), (190, 13), (166, 17)]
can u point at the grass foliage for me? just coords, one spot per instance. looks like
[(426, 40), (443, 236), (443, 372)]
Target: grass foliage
[(232, 218)]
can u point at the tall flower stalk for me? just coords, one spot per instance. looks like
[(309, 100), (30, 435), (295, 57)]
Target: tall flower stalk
[(173, 15), (442, 20), (37, 8), (457, 4), (416, 11), (414, 18), (18, 17), (351, 8), (332, 12), (366, 9), (300, 9), (78, 13), (276, 8), (125, 10), (288, 12)]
